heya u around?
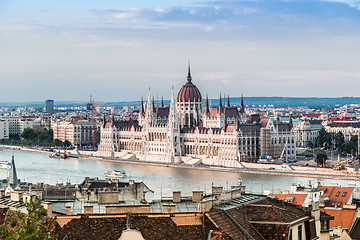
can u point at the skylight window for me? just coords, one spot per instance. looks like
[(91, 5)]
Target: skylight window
[(337, 194), (344, 194)]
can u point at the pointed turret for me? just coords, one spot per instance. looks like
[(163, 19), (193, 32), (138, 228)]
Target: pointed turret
[(228, 102), (189, 73), (220, 105), (207, 110), (173, 119), (142, 111), (242, 108), (149, 110), (13, 180), (162, 102), (153, 104), (112, 121), (104, 121)]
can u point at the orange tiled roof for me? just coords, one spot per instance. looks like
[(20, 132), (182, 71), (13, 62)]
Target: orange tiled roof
[(298, 198), (342, 217), (338, 195)]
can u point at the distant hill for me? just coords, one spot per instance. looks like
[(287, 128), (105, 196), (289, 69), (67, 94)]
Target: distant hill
[(276, 101)]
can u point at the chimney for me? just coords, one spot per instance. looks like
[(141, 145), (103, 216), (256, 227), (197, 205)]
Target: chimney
[(88, 210), (48, 208), (168, 208), (131, 182), (96, 178), (338, 230), (197, 196), (176, 197), (68, 210)]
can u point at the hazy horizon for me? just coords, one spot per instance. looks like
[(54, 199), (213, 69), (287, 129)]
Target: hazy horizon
[(115, 50)]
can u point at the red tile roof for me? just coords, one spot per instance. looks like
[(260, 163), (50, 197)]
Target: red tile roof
[(338, 195), (342, 217), (298, 199)]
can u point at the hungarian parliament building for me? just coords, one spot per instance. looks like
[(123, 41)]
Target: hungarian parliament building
[(187, 132)]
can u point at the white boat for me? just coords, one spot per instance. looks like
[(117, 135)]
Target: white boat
[(114, 174), (5, 165)]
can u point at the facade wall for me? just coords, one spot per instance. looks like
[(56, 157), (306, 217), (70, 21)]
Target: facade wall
[(77, 133), (13, 124), (4, 130)]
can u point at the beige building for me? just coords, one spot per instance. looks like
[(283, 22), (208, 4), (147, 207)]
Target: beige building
[(76, 132)]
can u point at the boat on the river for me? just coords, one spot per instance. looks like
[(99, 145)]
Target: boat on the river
[(115, 174), (5, 165), (59, 155)]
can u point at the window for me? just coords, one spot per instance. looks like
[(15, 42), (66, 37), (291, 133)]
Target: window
[(337, 194), (339, 204), (344, 194), (300, 232), (333, 204)]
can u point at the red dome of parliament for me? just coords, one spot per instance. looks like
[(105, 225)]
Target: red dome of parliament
[(189, 92)]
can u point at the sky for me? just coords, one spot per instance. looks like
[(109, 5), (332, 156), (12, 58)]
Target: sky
[(115, 50)]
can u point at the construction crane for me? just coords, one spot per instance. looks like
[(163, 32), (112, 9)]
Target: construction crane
[(93, 121)]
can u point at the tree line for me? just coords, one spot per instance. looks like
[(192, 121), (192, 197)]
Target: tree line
[(336, 141)]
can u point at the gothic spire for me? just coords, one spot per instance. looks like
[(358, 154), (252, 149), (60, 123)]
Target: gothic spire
[(13, 180), (162, 102), (242, 108), (149, 109), (153, 104), (220, 105), (228, 102), (207, 111), (142, 106), (189, 73)]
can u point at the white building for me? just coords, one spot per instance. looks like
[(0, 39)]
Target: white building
[(186, 132), (13, 123), (307, 134), (4, 129)]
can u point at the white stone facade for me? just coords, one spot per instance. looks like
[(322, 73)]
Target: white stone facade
[(185, 131)]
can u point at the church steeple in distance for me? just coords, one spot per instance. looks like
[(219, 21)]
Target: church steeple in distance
[(228, 102)]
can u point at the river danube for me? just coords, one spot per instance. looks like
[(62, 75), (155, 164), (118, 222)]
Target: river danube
[(163, 180)]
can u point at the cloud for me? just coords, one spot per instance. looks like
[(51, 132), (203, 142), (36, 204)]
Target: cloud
[(351, 3)]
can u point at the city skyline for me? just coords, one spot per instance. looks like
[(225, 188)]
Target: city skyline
[(114, 51)]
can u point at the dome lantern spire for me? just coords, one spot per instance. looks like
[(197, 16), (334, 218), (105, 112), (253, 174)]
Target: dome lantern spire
[(189, 73)]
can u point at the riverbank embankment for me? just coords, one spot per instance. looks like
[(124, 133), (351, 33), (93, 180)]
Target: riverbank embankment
[(254, 168)]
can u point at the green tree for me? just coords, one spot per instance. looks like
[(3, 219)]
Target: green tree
[(324, 139), (351, 146), (321, 159), (29, 134), (34, 225), (67, 143), (339, 141)]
